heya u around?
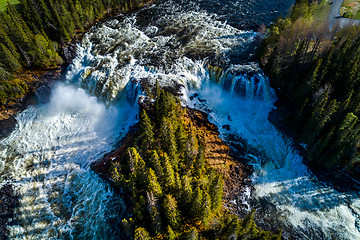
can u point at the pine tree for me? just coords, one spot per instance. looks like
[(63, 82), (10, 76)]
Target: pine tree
[(191, 234), (141, 234), (197, 203), (20, 37), (154, 162), (199, 164), (171, 212), (137, 166), (168, 140), (4, 38), (181, 140), (206, 208), (192, 146), (186, 192), (60, 27), (216, 193), (161, 106), (153, 183), (156, 224), (170, 235), (66, 18), (79, 11), (178, 186), (147, 131), (32, 17), (8, 59), (169, 177)]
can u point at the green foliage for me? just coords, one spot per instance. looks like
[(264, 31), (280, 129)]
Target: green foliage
[(31, 31), (170, 235), (175, 193), (3, 3), (216, 192), (153, 183), (8, 59), (141, 234), (147, 137), (171, 212), (191, 234), (315, 72)]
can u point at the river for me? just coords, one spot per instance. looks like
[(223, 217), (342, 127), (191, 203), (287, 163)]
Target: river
[(48, 156)]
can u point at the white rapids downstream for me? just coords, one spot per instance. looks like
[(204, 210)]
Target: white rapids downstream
[(47, 158)]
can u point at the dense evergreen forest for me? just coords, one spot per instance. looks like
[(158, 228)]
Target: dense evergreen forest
[(175, 193), (315, 72), (32, 33)]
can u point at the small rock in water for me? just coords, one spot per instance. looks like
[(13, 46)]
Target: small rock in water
[(229, 117), (226, 127), (194, 96)]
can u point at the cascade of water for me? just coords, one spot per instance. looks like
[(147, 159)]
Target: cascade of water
[(284, 188), (46, 157), (238, 96)]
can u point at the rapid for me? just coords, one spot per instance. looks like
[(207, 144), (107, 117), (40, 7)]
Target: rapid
[(206, 47)]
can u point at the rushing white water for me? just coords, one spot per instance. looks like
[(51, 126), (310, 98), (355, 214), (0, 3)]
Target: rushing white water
[(285, 190), (238, 96), (47, 158), (124, 55)]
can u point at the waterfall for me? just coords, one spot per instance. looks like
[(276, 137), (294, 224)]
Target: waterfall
[(47, 159), (284, 188)]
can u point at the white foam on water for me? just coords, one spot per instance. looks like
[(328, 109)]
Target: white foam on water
[(303, 206), (48, 159)]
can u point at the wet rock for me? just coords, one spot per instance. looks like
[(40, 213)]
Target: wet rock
[(69, 52), (9, 200), (192, 97), (7, 126), (229, 117), (202, 100), (226, 127), (174, 89)]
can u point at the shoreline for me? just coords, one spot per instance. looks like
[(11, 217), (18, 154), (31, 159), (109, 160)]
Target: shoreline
[(337, 178)]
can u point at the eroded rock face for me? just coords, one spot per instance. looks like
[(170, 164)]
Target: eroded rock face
[(69, 52), (222, 157)]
